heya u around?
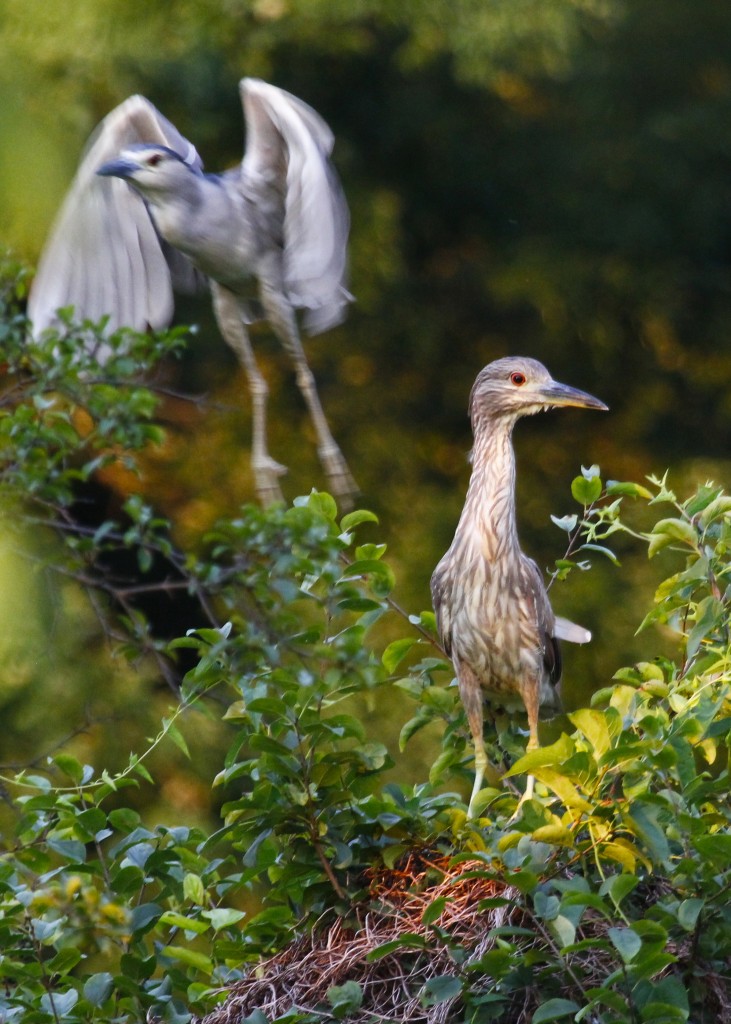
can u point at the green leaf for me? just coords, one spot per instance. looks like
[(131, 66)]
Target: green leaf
[(717, 509), (554, 1009), (64, 961), (324, 504), (190, 957), (98, 988), (223, 917), (345, 998), (381, 576), (564, 789), (353, 519), (644, 817), (440, 989), (665, 999), (188, 924), (689, 912), (716, 849), (601, 549), (710, 615), (668, 531), (69, 766), (396, 652), (59, 1004), (176, 736), (343, 855), (626, 942), (446, 759), (124, 819), (409, 940), (194, 889), (618, 886), (554, 833), (364, 552), (586, 490), (618, 487), (563, 930), (72, 851), (555, 754), (145, 915), (434, 910)]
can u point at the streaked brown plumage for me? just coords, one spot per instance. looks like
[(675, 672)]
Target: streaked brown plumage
[(493, 613)]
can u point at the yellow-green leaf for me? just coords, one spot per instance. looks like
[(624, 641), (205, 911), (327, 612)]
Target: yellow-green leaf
[(185, 923), (555, 834), (565, 790), (668, 531), (593, 725), (555, 754), (190, 957)]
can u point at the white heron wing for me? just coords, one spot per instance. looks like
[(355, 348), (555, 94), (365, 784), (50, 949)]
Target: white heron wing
[(288, 146), (103, 255)]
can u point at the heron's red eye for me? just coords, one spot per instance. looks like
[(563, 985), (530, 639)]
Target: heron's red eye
[(517, 378), (154, 160)]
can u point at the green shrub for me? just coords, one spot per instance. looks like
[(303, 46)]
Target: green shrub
[(619, 868)]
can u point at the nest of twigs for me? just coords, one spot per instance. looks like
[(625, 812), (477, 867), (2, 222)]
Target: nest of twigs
[(395, 986), (299, 976)]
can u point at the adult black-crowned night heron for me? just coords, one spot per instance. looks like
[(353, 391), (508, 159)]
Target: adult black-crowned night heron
[(273, 229), (493, 613)]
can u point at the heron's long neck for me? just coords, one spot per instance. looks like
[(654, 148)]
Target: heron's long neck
[(490, 504), (173, 210)]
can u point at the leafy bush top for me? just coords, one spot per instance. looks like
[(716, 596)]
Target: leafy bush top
[(620, 866)]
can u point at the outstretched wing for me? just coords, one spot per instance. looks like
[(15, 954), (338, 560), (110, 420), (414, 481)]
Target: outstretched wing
[(287, 166), (103, 255)]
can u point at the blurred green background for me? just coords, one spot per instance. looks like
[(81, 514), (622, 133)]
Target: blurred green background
[(540, 177)]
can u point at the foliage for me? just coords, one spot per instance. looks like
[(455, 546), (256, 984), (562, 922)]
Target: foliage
[(523, 176), (621, 861)]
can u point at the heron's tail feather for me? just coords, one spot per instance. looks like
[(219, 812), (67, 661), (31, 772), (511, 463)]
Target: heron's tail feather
[(567, 630)]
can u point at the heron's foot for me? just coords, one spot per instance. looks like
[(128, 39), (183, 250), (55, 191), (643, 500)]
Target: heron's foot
[(339, 478), (266, 472), (530, 783)]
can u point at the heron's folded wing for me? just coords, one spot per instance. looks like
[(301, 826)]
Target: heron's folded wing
[(287, 163), (440, 595), (566, 630), (103, 255)]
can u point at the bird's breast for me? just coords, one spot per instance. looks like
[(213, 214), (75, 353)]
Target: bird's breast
[(492, 627), (214, 234)]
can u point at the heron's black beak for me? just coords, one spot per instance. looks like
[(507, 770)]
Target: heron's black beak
[(118, 169), (561, 394)]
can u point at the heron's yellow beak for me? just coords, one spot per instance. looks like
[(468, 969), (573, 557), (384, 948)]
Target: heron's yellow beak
[(561, 394)]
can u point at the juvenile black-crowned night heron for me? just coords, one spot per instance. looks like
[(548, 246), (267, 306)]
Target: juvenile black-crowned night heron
[(493, 613), (273, 230)]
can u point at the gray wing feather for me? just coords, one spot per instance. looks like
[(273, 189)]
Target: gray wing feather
[(103, 255), (287, 155)]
